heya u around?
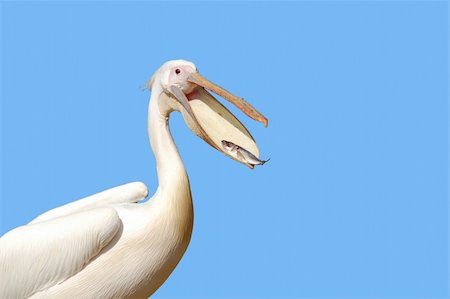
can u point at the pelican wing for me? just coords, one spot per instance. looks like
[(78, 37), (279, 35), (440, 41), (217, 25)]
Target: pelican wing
[(128, 193), (38, 256)]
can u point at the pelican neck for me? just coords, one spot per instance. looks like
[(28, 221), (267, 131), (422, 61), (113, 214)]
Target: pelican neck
[(169, 166)]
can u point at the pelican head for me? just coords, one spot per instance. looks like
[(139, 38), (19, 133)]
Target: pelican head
[(181, 88)]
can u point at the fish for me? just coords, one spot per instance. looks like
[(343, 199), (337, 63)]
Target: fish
[(242, 154)]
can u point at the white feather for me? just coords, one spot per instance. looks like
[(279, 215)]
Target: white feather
[(106, 245)]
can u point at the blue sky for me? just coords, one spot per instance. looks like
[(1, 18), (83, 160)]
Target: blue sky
[(354, 201)]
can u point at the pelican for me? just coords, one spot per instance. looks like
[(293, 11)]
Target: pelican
[(109, 245)]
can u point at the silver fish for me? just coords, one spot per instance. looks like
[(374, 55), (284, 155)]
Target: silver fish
[(242, 154)]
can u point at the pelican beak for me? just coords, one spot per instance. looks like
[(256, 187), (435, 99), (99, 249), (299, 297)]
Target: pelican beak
[(211, 121), (245, 107)]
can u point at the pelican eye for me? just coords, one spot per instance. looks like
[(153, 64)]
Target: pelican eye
[(177, 71)]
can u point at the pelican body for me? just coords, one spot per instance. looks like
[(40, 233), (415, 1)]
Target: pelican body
[(109, 245)]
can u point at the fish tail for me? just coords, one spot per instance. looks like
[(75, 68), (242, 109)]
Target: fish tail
[(264, 161)]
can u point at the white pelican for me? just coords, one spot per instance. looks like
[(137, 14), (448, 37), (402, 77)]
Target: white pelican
[(108, 246)]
